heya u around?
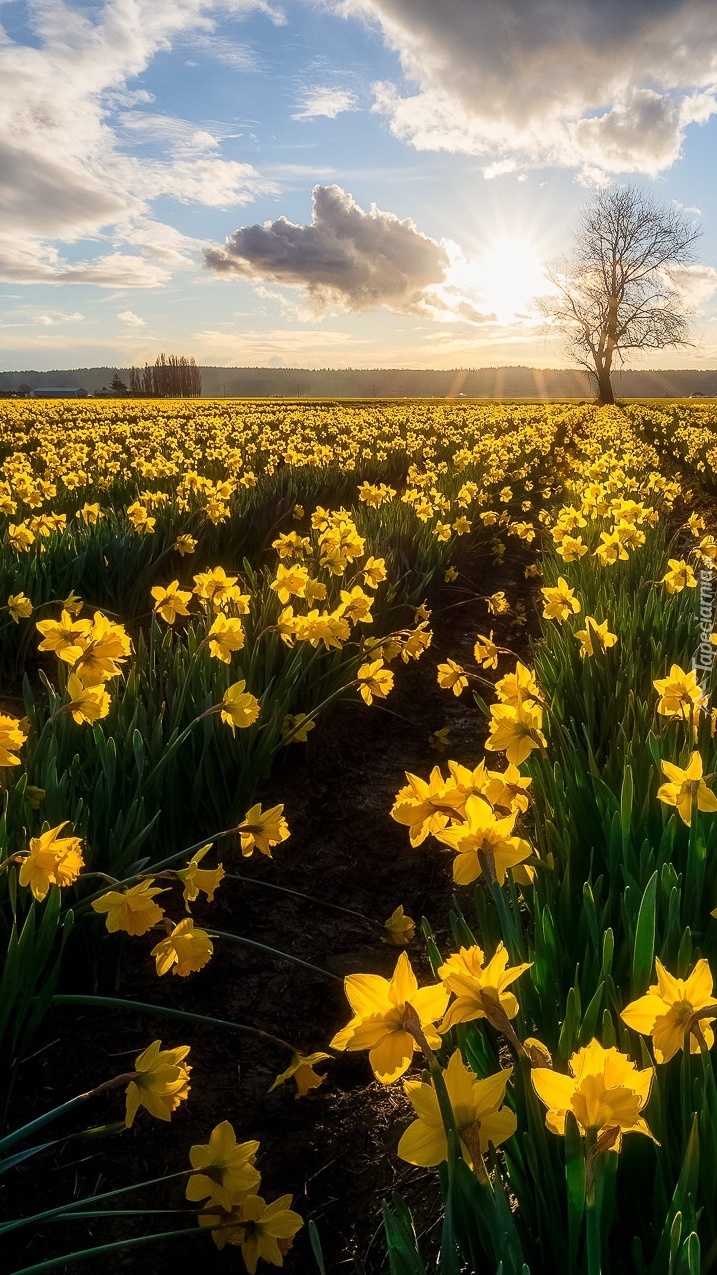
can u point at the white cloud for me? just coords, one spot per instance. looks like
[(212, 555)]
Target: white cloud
[(67, 117), (601, 86), (324, 101), (346, 256), (695, 284), (688, 208), (226, 51), (53, 317), (131, 319)]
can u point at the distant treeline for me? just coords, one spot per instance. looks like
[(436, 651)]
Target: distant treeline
[(171, 376), (271, 382)]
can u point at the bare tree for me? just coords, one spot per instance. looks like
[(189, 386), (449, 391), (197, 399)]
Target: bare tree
[(172, 376), (615, 293)]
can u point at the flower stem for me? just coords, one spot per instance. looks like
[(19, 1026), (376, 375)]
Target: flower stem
[(166, 1011), (69, 1259), (273, 951)]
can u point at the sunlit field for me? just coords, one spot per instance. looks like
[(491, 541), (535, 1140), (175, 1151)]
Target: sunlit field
[(358, 860)]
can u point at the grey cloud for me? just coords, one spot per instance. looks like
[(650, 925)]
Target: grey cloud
[(527, 80), (347, 255), (65, 104)]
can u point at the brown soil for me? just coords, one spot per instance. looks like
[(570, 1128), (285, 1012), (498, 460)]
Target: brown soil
[(335, 1150)]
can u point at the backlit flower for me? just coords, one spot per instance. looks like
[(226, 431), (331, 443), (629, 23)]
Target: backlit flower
[(667, 1012), (378, 1024), (133, 910), (262, 829), (480, 1116), (184, 951), (686, 788), (479, 988), (51, 860), (224, 1168), (160, 1084), (605, 1092), (482, 834)]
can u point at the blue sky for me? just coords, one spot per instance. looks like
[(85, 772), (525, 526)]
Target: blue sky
[(333, 182)]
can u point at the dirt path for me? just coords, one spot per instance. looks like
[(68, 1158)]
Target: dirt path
[(335, 1149)]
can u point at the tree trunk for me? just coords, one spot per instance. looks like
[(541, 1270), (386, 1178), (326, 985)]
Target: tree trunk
[(605, 394)]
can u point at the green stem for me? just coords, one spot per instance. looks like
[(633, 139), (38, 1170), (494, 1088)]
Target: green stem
[(594, 1253), (273, 951), (69, 1259), (27, 1130), (59, 1209), (298, 894), (592, 1209), (165, 1011), (84, 1213)]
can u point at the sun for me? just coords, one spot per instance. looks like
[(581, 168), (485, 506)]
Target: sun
[(505, 278)]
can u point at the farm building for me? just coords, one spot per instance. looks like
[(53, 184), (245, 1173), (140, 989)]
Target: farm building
[(61, 391)]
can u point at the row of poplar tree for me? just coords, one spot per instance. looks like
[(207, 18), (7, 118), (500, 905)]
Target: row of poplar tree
[(171, 376)]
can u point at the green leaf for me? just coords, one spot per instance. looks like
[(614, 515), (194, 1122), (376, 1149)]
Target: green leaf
[(644, 950)]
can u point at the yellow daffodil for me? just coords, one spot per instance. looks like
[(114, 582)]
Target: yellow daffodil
[(133, 910), (678, 576), (482, 834), (595, 637), (679, 692), (301, 1071), (51, 860), (452, 677), (605, 1092), (480, 1116), (515, 731), (426, 806), (378, 1024), (439, 741), (66, 636), (184, 951), (485, 651), (198, 880), (87, 703), (290, 582), (399, 929), (160, 1083), (225, 636), (480, 989), (13, 735), (239, 707), (224, 1169), (19, 607), (185, 545), (669, 1011), (518, 688), (686, 788), (375, 681), (262, 829), (171, 601), (560, 601), (612, 549), (263, 1232), (295, 728), (571, 548), (498, 604)]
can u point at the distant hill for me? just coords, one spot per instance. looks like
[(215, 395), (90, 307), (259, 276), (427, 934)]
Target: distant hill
[(486, 382)]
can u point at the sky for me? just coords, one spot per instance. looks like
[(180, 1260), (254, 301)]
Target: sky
[(334, 183)]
